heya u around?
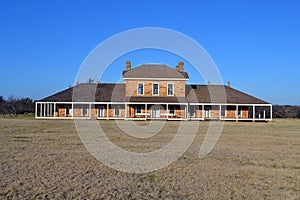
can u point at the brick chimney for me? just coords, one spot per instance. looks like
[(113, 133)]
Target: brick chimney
[(208, 83), (128, 65), (228, 84), (179, 67)]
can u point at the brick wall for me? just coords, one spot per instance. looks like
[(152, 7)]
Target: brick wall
[(132, 86)]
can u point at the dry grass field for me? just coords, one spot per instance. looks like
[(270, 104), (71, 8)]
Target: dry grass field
[(45, 159)]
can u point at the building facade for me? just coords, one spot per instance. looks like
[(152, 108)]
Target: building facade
[(153, 91)]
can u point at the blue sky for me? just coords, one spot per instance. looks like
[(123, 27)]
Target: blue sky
[(255, 44)]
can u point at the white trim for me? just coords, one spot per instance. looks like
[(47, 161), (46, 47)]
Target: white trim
[(172, 89), (157, 89), (138, 89), (159, 79)]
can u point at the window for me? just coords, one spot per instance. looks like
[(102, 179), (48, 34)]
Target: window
[(239, 112), (192, 111), (155, 89), (68, 110), (170, 89), (223, 111), (138, 110), (140, 88), (84, 110), (172, 110), (117, 110)]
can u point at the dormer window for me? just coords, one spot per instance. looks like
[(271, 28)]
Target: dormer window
[(155, 89), (170, 89), (140, 89)]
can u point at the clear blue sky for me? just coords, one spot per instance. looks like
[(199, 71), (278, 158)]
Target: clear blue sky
[(255, 44)]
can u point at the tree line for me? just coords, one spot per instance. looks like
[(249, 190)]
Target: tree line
[(15, 106)]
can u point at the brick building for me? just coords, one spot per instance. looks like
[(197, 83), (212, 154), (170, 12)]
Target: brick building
[(153, 91)]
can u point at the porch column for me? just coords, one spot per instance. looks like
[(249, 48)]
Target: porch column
[(146, 111), (41, 109), (237, 112), (90, 110), (125, 110), (54, 110), (203, 114), (35, 111), (185, 111), (51, 110), (44, 109), (107, 107), (271, 112), (220, 116), (72, 106), (253, 113), (167, 109)]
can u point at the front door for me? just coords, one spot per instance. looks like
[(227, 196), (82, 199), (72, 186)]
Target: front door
[(155, 112), (101, 111)]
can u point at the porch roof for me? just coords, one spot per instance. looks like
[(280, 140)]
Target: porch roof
[(219, 94)]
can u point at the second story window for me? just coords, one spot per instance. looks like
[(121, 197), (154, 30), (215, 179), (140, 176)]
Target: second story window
[(170, 89), (140, 88), (155, 89)]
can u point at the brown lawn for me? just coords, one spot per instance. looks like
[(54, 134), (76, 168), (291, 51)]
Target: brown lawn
[(45, 159)]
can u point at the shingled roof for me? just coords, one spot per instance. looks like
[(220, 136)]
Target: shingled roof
[(90, 92), (105, 92), (215, 94), (154, 70)]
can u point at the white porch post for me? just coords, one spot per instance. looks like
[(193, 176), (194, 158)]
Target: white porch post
[(35, 111), (203, 114), (90, 110), (167, 110), (72, 106), (41, 109), (44, 109), (253, 112), (185, 111), (107, 107), (51, 109), (125, 110), (271, 112), (237, 112), (146, 111), (54, 111), (220, 110)]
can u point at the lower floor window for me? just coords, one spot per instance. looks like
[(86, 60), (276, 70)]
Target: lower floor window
[(172, 110), (84, 111), (192, 111), (117, 110), (138, 110)]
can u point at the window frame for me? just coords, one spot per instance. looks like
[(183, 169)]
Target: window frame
[(85, 111), (138, 88), (192, 108), (223, 110), (168, 89), (157, 89), (138, 107), (117, 110), (172, 111)]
